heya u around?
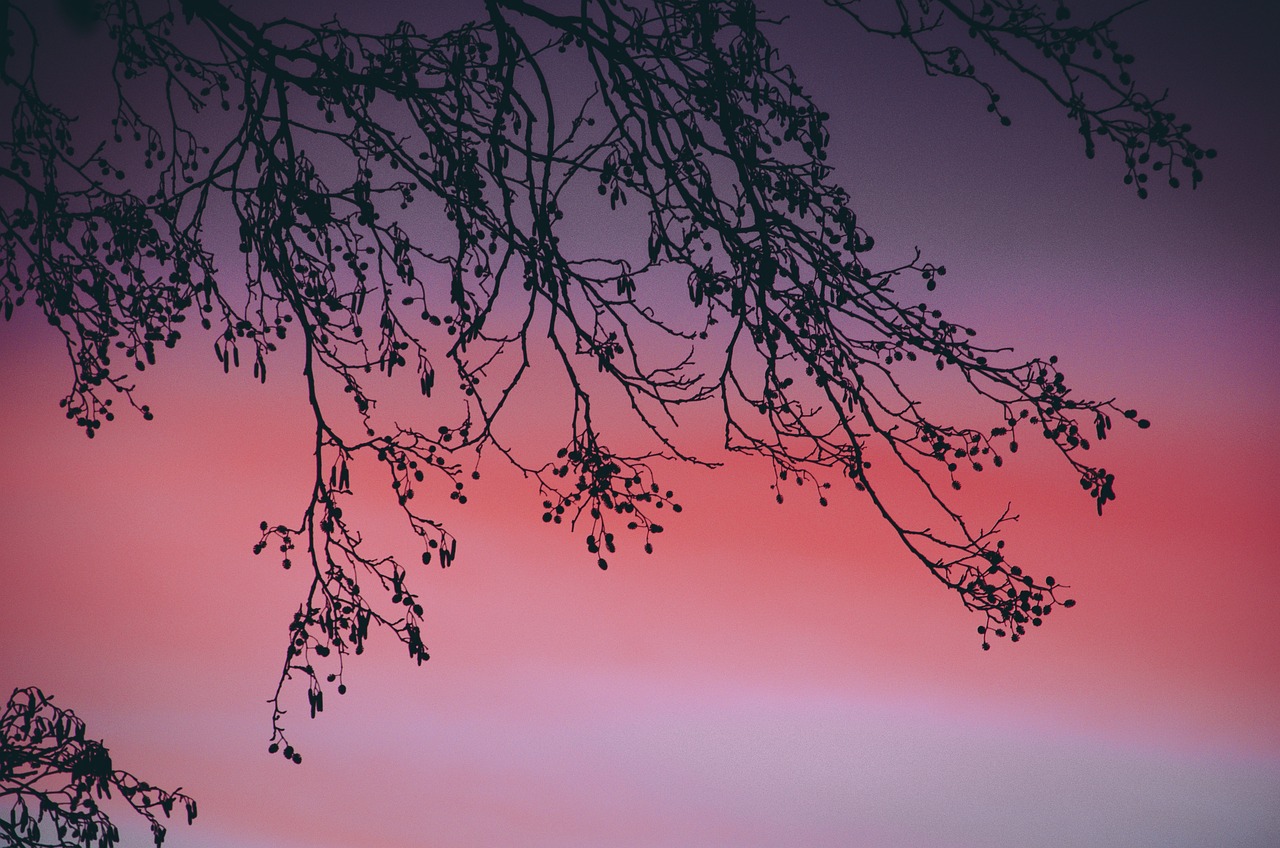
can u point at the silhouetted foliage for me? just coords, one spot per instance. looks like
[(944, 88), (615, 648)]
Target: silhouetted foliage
[(400, 201), (53, 780)]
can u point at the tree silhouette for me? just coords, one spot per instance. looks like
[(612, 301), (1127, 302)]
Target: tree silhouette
[(397, 201), (53, 780)]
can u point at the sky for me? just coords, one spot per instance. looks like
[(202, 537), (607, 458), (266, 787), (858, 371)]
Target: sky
[(774, 674)]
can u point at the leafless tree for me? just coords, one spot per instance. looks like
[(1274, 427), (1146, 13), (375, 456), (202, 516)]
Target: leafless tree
[(405, 201)]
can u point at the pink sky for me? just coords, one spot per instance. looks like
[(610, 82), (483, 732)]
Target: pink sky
[(773, 675)]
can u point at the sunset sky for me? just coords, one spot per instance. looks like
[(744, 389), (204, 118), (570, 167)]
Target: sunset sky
[(774, 675)]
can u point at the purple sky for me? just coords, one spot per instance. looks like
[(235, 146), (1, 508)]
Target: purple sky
[(773, 675)]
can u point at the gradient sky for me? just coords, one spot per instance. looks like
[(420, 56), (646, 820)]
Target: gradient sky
[(774, 675)]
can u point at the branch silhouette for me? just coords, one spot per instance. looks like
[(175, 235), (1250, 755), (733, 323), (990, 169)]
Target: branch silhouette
[(403, 202), (53, 780)]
